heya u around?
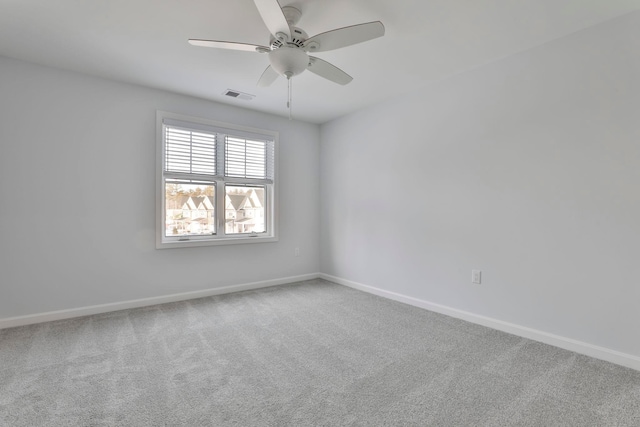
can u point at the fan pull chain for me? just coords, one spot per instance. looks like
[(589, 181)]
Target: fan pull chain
[(289, 97)]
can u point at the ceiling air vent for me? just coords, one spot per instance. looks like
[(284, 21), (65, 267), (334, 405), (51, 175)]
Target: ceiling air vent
[(238, 94)]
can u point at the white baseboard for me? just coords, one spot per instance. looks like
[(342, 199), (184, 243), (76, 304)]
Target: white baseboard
[(597, 352), (627, 360), (11, 322)]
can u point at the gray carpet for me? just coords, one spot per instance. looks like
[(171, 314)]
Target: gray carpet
[(309, 354)]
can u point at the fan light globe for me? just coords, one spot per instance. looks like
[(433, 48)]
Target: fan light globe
[(289, 61)]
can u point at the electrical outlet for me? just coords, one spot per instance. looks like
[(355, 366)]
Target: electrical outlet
[(476, 276), (296, 252)]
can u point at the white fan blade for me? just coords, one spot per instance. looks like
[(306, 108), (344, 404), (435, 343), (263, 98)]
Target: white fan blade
[(268, 77), (274, 19), (328, 71), (229, 45), (343, 37)]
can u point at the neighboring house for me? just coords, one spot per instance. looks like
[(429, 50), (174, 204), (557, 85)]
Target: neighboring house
[(191, 215), (244, 213)]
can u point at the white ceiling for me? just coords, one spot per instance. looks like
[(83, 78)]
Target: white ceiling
[(145, 42)]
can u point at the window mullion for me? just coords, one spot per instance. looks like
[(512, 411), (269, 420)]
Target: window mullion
[(220, 208), (220, 154), (220, 194)]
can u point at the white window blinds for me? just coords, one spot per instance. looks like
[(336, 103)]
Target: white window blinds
[(203, 152), (190, 152), (249, 159)]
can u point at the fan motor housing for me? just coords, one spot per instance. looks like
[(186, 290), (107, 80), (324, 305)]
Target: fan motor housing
[(298, 37)]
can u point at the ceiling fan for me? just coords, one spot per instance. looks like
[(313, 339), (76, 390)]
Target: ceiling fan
[(289, 46)]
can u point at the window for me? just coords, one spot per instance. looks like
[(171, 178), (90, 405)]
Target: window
[(216, 183)]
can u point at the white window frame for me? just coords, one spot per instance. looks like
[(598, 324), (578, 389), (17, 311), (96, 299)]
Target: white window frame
[(164, 118)]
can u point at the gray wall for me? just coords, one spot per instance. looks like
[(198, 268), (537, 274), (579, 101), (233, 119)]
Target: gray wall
[(527, 169), (77, 196)]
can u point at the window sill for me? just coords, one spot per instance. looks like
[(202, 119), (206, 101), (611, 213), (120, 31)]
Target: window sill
[(214, 242)]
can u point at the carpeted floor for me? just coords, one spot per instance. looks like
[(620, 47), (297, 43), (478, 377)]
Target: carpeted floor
[(309, 354)]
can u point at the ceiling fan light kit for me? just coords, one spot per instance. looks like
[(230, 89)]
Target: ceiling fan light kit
[(289, 61), (289, 46)]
